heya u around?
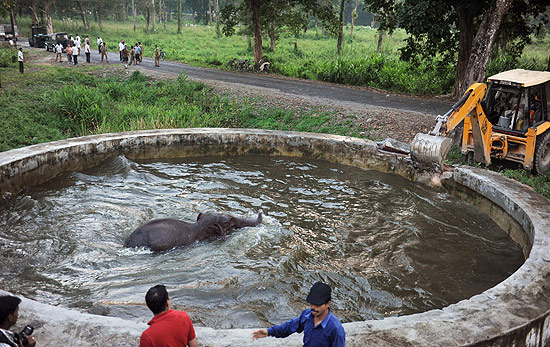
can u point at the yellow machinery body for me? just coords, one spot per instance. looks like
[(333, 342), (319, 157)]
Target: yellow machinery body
[(509, 121)]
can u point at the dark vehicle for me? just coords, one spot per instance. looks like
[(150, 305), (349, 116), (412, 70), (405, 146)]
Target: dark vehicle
[(6, 32), (54, 39), (38, 37)]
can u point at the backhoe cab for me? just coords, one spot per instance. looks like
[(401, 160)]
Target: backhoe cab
[(509, 120)]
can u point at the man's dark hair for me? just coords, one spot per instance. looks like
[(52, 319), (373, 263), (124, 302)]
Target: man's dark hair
[(156, 298), (8, 305)]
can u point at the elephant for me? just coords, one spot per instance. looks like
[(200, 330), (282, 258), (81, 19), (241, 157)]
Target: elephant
[(164, 234)]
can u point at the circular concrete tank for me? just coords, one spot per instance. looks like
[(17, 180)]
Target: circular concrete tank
[(514, 312)]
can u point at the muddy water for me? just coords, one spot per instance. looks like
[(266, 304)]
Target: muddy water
[(386, 245)]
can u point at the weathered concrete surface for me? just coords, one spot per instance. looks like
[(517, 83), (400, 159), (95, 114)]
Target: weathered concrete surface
[(514, 312)]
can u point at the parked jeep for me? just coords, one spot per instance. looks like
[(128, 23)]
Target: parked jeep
[(38, 36), (54, 39)]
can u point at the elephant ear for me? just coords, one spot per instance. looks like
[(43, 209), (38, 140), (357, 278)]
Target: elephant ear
[(199, 216), (222, 233)]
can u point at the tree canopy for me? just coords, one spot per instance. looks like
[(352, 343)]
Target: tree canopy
[(462, 32)]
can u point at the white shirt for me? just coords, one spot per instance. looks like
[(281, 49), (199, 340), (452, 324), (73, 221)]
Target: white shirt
[(59, 48), (7, 334), (120, 46), (19, 56), (86, 48), (99, 41), (75, 50)]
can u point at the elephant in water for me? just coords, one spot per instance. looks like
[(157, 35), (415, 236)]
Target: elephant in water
[(165, 234)]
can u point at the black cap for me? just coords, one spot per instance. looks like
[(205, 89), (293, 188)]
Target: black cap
[(319, 294)]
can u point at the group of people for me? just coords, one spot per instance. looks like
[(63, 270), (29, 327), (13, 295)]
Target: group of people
[(73, 50), (134, 55), (169, 327)]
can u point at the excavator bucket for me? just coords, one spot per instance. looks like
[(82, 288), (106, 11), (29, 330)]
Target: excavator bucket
[(429, 149)]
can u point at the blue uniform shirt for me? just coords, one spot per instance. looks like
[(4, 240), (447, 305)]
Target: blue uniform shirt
[(329, 332)]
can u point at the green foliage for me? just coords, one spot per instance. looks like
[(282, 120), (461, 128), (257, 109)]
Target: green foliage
[(389, 73), (8, 57), (541, 184)]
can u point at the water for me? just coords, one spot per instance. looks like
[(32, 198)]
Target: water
[(386, 245)]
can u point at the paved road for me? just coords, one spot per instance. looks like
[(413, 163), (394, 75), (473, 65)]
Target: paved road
[(302, 88)]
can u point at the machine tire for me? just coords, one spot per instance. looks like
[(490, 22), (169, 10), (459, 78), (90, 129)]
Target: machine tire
[(542, 154)]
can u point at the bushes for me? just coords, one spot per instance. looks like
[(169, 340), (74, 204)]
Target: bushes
[(8, 56), (389, 73)]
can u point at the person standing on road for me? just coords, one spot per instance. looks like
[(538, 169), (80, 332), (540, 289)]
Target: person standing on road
[(140, 52), (133, 56), (77, 44), (75, 54), (99, 44), (59, 52), (121, 46), (104, 52), (87, 51), (157, 57), (321, 328), (125, 55), (21, 59), (69, 51)]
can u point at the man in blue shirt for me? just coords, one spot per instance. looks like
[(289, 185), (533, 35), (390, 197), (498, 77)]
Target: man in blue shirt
[(321, 328)]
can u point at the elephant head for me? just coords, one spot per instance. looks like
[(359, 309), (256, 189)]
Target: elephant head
[(224, 224)]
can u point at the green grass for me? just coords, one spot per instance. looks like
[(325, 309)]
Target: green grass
[(53, 102)]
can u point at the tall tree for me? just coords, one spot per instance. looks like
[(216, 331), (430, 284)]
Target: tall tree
[(134, 14), (483, 41), (340, 26), (254, 7), (218, 18), (179, 15), (259, 15), (47, 12), (453, 29), (82, 14), (34, 14)]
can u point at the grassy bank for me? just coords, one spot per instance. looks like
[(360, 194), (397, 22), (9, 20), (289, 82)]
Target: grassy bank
[(51, 102), (314, 58)]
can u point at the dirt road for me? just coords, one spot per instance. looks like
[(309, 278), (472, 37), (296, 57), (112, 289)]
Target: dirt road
[(380, 114)]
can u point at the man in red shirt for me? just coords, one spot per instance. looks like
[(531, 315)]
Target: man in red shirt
[(168, 328)]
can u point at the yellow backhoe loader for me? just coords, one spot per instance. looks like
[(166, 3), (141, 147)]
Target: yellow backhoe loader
[(509, 120)]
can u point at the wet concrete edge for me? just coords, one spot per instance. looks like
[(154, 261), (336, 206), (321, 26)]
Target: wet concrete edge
[(514, 312)]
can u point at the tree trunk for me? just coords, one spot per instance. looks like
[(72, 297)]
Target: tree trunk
[(466, 36), (160, 11), (12, 23), (83, 15), (254, 6), (134, 14), (34, 15), (209, 12), (381, 34), (218, 18), (99, 15), (271, 33), (147, 20), (49, 26), (353, 16), (153, 15), (341, 27), (483, 41), (179, 15), (14, 19)]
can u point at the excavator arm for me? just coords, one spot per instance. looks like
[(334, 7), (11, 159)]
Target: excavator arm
[(432, 148)]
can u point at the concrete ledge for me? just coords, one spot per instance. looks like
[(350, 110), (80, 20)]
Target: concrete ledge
[(514, 312)]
